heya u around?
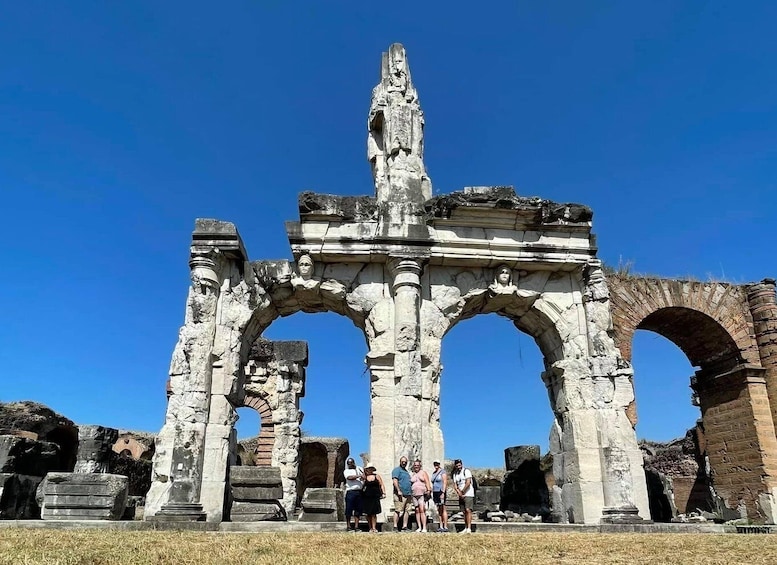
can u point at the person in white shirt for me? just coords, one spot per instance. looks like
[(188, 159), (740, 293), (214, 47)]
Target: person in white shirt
[(354, 481), (462, 482)]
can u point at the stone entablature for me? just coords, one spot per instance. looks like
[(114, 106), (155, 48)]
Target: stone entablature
[(478, 226)]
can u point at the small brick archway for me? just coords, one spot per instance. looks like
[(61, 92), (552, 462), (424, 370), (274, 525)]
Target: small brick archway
[(266, 438), (712, 324)]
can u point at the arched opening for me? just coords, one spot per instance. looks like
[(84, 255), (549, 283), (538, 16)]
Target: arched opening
[(336, 402), (491, 378), (491, 381), (678, 343), (666, 427), (248, 427), (314, 473)]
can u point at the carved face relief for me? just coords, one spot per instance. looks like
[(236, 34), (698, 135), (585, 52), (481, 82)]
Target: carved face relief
[(504, 276), (305, 267)]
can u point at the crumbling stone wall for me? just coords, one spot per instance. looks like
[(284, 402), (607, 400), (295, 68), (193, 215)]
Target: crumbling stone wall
[(677, 476)]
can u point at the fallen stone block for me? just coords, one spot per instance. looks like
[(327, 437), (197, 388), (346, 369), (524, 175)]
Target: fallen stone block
[(77, 496), (323, 505)]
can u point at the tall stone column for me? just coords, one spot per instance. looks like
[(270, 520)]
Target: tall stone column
[(178, 463), (406, 289), (763, 307)]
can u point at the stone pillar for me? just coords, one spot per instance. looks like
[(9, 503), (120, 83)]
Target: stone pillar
[(382, 413), (575, 445), (433, 448), (763, 307), (407, 357), (623, 475), (739, 434), (179, 458)]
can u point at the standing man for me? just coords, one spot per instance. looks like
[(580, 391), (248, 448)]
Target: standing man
[(403, 493), (462, 482), (354, 481), (439, 488)]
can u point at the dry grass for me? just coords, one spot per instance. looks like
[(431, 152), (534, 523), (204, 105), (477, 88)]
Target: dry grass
[(101, 547)]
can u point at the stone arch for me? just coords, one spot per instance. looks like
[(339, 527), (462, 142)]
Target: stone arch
[(710, 322), (551, 319), (266, 438)]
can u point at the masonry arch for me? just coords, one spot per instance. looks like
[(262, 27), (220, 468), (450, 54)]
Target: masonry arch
[(258, 451), (593, 444), (710, 323)]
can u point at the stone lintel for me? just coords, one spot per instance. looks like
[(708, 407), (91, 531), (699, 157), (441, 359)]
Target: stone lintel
[(223, 235)]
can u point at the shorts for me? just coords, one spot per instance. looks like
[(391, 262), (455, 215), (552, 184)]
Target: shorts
[(404, 504), (439, 497), (419, 501), (353, 503), (466, 503)]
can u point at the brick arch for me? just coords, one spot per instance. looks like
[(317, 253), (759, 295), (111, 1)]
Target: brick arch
[(710, 322), (266, 439)]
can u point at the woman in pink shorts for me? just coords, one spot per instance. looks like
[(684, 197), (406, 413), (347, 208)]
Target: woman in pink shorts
[(422, 489)]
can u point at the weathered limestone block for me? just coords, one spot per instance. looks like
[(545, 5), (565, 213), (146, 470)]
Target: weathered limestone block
[(95, 447), (80, 496), (488, 499), (323, 505), (257, 493), (18, 497)]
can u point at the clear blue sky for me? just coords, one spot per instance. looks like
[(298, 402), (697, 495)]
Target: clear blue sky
[(121, 122)]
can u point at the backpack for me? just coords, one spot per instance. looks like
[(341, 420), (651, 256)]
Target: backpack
[(473, 480)]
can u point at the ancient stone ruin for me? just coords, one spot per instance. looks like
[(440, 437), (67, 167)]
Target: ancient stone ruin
[(405, 267)]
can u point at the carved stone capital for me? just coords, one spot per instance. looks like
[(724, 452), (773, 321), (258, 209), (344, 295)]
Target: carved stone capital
[(406, 272), (205, 265)]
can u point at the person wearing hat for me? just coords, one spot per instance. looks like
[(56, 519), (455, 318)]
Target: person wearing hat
[(372, 491), (354, 480), (439, 488)]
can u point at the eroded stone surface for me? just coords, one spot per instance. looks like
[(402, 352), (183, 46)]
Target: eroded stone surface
[(405, 268), (81, 496)]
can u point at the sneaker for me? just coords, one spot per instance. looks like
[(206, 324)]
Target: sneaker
[(423, 530), (466, 531)]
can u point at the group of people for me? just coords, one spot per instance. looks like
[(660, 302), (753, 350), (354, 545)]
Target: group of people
[(412, 489)]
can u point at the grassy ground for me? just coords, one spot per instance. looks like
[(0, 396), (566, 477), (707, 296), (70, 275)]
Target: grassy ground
[(103, 547)]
